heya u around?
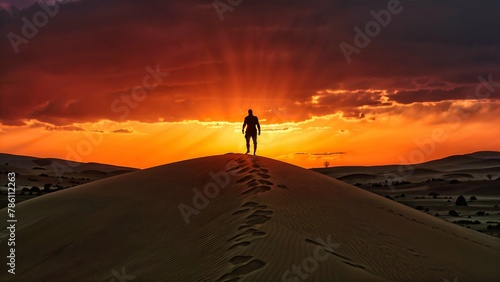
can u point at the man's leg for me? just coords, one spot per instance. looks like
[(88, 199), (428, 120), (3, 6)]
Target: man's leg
[(254, 138), (248, 143)]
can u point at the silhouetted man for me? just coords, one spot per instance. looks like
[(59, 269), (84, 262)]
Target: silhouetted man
[(252, 123)]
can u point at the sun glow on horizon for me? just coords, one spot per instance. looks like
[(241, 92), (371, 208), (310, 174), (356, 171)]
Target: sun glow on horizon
[(335, 138)]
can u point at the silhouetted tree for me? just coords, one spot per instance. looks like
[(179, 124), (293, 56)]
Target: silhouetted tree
[(327, 164), (453, 213)]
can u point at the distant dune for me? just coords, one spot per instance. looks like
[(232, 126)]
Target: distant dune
[(238, 218), (57, 173), (471, 166)]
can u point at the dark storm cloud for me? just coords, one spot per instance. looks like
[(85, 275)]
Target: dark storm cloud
[(270, 53)]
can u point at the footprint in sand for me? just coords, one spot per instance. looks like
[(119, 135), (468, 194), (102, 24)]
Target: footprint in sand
[(234, 275), (265, 176), (252, 183), (246, 178), (254, 219), (235, 168), (243, 170), (249, 204), (240, 211), (240, 259), (262, 181), (240, 244), (256, 189), (262, 212)]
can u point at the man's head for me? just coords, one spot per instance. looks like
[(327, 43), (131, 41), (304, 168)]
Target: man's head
[(250, 112)]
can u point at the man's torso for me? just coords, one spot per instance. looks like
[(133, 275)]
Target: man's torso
[(251, 122)]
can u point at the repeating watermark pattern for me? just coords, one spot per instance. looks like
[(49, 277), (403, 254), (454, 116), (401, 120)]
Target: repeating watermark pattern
[(372, 29), (223, 7), (31, 27), (121, 277), (127, 102), (310, 264), (11, 222), (201, 199), (426, 147)]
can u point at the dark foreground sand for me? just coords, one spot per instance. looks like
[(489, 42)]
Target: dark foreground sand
[(259, 220)]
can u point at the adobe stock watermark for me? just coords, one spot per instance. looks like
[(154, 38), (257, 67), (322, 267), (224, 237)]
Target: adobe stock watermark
[(372, 29), (427, 147), (121, 277), (123, 105), (310, 264), (31, 27), (222, 7), (201, 199)]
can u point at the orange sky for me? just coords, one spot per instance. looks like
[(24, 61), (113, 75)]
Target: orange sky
[(333, 138), (151, 82)]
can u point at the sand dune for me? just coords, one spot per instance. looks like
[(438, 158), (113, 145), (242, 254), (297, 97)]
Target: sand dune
[(60, 174), (259, 221), (476, 165)]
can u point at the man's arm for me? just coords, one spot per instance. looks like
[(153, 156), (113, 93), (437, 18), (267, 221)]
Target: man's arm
[(258, 124), (244, 124)]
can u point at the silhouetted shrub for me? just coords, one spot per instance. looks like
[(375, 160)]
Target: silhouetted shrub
[(403, 195), (473, 198), (389, 197), (463, 221), (419, 208), (454, 181), (492, 227), (480, 213), (434, 194), (460, 201), (453, 213), (46, 187), (25, 191), (35, 189)]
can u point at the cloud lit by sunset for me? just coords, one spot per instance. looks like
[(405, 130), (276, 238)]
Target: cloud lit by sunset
[(143, 83)]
